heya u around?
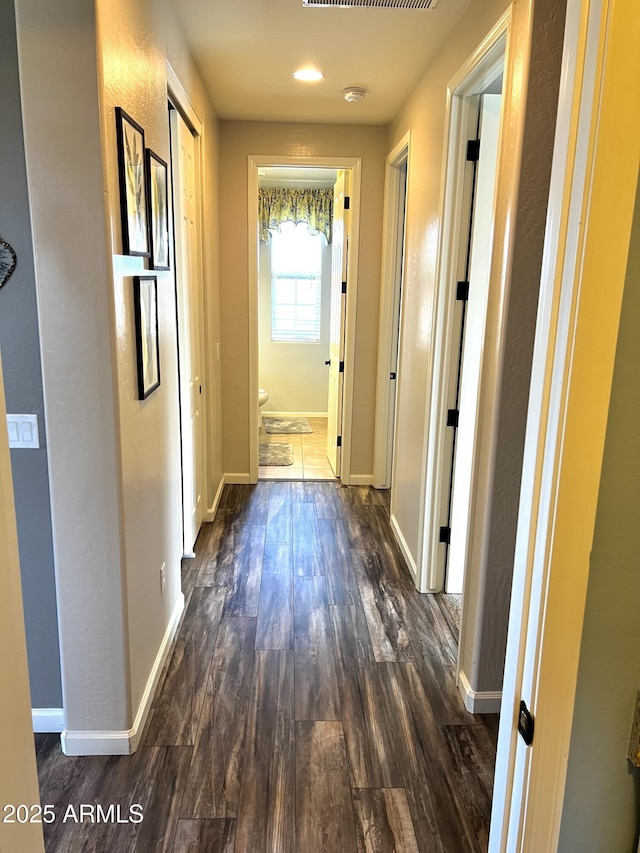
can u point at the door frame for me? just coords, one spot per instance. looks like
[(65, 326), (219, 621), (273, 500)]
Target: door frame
[(589, 221), (393, 250), (180, 100), (354, 166), (495, 53)]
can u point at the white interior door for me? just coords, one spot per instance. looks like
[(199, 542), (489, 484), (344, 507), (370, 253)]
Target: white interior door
[(339, 252), (473, 344), (189, 299)]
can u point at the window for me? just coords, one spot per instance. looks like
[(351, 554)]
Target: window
[(296, 268)]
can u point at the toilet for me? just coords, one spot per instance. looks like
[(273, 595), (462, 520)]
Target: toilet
[(263, 396)]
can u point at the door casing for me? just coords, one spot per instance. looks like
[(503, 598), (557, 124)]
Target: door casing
[(354, 166)]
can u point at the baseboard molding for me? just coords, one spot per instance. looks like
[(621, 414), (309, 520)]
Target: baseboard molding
[(406, 553), (237, 479), (211, 512), (47, 719), (293, 414), (361, 480), (483, 702), (125, 742)]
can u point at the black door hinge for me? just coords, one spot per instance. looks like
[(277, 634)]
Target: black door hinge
[(462, 291), (339, 441), (525, 724), (453, 416), (341, 368), (347, 202), (445, 535), (344, 286), (473, 150), (392, 375)]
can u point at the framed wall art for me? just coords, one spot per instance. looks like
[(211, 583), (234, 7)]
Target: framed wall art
[(158, 210), (133, 186), (145, 298)]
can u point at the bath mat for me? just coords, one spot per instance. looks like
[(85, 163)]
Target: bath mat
[(275, 453), (286, 425)]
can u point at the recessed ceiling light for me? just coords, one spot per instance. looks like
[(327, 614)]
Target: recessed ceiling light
[(309, 75)]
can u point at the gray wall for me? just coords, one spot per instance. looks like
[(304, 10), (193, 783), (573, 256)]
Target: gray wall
[(602, 797), (20, 347)]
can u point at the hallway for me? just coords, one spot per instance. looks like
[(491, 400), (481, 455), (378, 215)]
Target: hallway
[(309, 703)]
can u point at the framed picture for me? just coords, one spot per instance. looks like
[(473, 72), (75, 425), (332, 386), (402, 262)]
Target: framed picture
[(145, 297), (133, 186), (158, 211)]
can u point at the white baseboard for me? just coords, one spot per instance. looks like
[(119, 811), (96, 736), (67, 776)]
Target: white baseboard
[(47, 719), (406, 553), (361, 480), (237, 479), (483, 702), (211, 512), (125, 742), (294, 414)]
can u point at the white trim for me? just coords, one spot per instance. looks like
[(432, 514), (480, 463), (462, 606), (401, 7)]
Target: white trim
[(294, 414), (392, 257), (354, 165), (587, 238), (126, 742), (47, 719), (211, 511), (478, 701), (361, 480), (481, 67), (406, 551), (181, 100), (239, 478)]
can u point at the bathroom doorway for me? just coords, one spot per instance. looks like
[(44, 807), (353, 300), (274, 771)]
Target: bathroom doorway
[(302, 342)]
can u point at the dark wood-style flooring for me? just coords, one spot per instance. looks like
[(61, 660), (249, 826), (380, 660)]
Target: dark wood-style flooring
[(309, 703)]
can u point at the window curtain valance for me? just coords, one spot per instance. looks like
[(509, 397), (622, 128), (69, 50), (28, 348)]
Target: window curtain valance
[(281, 204)]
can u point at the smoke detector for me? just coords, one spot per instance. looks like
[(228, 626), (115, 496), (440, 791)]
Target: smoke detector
[(373, 4), (354, 93)]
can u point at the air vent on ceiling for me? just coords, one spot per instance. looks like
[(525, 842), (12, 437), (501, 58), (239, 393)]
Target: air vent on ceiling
[(375, 4)]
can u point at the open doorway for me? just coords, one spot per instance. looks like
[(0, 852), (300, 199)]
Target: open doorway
[(304, 287)]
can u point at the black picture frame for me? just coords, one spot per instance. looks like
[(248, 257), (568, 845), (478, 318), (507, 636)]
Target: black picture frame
[(157, 198), (133, 185), (145, 299)]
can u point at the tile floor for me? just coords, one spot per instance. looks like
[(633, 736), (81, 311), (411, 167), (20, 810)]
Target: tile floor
[(309, 455)]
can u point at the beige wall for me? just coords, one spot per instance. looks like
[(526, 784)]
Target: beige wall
[(600, 807), (239, 140), (114, 461), (18, 777)]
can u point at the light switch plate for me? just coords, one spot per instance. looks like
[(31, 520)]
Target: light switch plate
[(23, 431)]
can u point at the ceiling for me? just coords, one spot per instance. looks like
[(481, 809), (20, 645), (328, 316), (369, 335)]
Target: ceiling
[(247, 50)]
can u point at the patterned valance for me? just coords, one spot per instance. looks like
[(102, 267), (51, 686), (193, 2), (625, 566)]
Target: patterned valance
[(281, 204)]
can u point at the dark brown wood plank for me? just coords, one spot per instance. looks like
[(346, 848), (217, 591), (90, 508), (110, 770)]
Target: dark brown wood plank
[(213, 784), (216, 567), (275, 611), (316, 686), (244, 594), (367, 717), (177, 710), (307, 553), (472, 757), (247, 504), (267, 812), (324, 813), (384, 607), (205, 836), (279, 513), (383, 821), (302, 492), (341, 581), (327, 500), (437, 812)]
